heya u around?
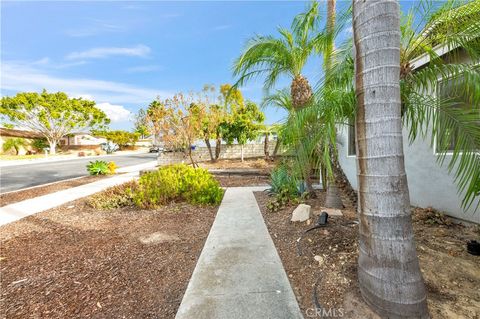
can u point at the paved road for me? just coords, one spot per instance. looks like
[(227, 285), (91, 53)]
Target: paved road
[(28, 175)]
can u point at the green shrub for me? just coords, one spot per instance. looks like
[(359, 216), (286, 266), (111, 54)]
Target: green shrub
[(39, 144), (101, 168), (197, 186), (114, 197)]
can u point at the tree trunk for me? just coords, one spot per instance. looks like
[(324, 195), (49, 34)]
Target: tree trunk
[(388, 269), (333, 199), (218, 148), (265, 147), (53, 146), (241, 151), (327, 57), (277, 146), (207, 142), (191, 157)]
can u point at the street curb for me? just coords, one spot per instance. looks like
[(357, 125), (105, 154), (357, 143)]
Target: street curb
[(8, 163)]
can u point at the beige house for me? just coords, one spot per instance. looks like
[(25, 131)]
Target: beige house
[(81, 139), (6, 134)]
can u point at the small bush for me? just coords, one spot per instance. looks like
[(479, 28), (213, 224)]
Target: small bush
[(101, 168), (114, 197), (197, 186), (39, 144)]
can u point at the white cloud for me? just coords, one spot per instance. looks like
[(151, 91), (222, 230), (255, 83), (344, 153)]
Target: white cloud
[(116, 113), (143, 69), (94, 28), (97, 53), (16, 76)]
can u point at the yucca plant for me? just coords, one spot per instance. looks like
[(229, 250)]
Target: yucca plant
[(15, 144)]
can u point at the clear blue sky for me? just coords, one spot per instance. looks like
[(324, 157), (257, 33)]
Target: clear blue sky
[(124, 54)]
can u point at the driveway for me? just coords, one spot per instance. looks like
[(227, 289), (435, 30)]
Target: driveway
[(21, 176)]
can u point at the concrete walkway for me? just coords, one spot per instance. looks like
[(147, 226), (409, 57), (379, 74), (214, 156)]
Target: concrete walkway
[(16, 211), (239, 273)]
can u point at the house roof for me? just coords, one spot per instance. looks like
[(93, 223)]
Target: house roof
[(18, 133)]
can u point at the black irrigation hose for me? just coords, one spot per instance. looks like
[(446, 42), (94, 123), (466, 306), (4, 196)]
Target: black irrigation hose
[(317, 304)]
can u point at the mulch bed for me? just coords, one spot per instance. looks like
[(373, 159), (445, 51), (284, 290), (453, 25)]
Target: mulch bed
[(13, 197), (78, 262), (239, 180), (452, 276), (248, 163)]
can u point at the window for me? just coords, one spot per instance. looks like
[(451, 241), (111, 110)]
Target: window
[(449, 89), (352, 148)]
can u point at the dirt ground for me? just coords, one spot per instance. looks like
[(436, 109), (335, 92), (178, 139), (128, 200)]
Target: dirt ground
[(13, 197), (236, 181), (329, 261), (77, 262), (257, 163)]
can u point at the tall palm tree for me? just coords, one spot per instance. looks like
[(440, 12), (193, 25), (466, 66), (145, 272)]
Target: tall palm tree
[(287, 54), (388, 269)]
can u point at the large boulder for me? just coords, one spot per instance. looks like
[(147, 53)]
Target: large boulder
[(301, 213)]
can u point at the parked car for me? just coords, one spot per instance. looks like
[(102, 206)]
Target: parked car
[(109, 147), (156, 149)]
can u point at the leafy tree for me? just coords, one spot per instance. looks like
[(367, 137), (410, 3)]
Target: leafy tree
[(120, 137), (141, 123), (51, 114), (244, 124), (388, 268), (15, 144), (157, 114), (179, 121)]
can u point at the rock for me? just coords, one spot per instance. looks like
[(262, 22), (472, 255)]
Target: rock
[(301, 213), (319, 259)]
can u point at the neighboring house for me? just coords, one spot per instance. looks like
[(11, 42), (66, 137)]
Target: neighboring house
[(429, 183), (81, 139), (29, 136)]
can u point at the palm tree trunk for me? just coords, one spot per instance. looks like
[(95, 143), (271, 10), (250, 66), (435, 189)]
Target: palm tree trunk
[(388, 269), (277, 146), (265, 147), (327, 57)]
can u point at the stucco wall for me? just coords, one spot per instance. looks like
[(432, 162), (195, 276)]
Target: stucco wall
[(429, 183), (227, 152)]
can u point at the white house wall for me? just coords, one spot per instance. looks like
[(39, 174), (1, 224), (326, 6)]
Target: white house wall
[(429, 183)]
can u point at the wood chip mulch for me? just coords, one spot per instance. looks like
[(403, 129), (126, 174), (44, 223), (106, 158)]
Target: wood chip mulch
[(452, 276), (13, 197), (78, 262)]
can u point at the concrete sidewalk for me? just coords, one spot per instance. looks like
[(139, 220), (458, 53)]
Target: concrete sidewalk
[(16, 211), (239, 273)]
